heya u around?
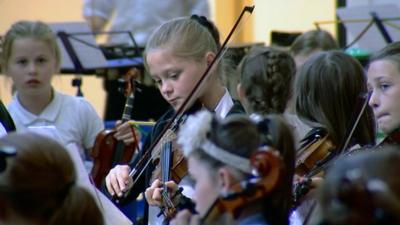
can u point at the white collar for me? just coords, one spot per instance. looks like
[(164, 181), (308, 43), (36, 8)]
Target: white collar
[(49, 113), (224, 105)]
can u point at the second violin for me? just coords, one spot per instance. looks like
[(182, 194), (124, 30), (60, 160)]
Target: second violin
[(107, 151)]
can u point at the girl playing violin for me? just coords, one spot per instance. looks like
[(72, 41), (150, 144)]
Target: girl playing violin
[(38, 184), (384, 84), (266, 77), (31, 58), (176, 55), (219, 153), (329, 87)]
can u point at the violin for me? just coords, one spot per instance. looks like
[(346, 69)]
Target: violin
[(151, 154), (392, 139), (170, 165), (315, 148), (318, 152), (267, 165), (108, 151)]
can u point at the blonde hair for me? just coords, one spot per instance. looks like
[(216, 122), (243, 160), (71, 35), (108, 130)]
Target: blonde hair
[(29, 29), (186, 38)]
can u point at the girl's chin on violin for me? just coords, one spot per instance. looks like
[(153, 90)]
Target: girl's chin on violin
[(175, 103)]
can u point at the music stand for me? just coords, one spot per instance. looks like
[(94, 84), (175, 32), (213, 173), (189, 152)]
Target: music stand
[(383, 20), (79, 50), (80, 53)]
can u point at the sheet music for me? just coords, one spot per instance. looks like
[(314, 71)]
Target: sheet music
[(372, 40), (112, 215), (89, 56)]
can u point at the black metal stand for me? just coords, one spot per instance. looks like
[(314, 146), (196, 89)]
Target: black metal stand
[(381, 27), (77, 81)]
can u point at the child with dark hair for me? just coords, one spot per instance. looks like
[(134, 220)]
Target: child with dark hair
[(311, 42), (266, 79), (38, 184), (362, 189), (330, 92), (219, 154)]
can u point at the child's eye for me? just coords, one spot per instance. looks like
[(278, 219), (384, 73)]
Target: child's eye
[(174, 75), (157, 82), (384, 86), (22, 62), (41, 60)]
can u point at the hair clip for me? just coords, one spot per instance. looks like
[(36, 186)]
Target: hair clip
[(202, 20)]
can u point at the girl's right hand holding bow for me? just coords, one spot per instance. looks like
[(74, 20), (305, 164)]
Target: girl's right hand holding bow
[(118, 180)]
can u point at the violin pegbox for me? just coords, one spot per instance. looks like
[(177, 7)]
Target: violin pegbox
[(266, 164)]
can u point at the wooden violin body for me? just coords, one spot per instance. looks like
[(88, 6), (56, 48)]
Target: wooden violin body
[(170, 165), (268, 166), (178, 168), (314, 153), (315, 148), (109, 151)]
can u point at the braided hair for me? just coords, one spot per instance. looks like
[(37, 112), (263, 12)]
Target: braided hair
[(266, 76)]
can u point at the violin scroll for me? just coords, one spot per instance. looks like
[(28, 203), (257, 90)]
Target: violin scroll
[(267, 167)]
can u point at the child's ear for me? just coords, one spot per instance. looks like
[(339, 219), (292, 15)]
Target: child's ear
[(226, 180), (209, 57), (240, 92)]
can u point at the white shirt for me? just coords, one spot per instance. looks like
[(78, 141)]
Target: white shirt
[(224, 105), (74, 118), (141, 17)]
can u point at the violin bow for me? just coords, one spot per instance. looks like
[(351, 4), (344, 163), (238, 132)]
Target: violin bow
[(176, 118), (343, 146), (348, 137)]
